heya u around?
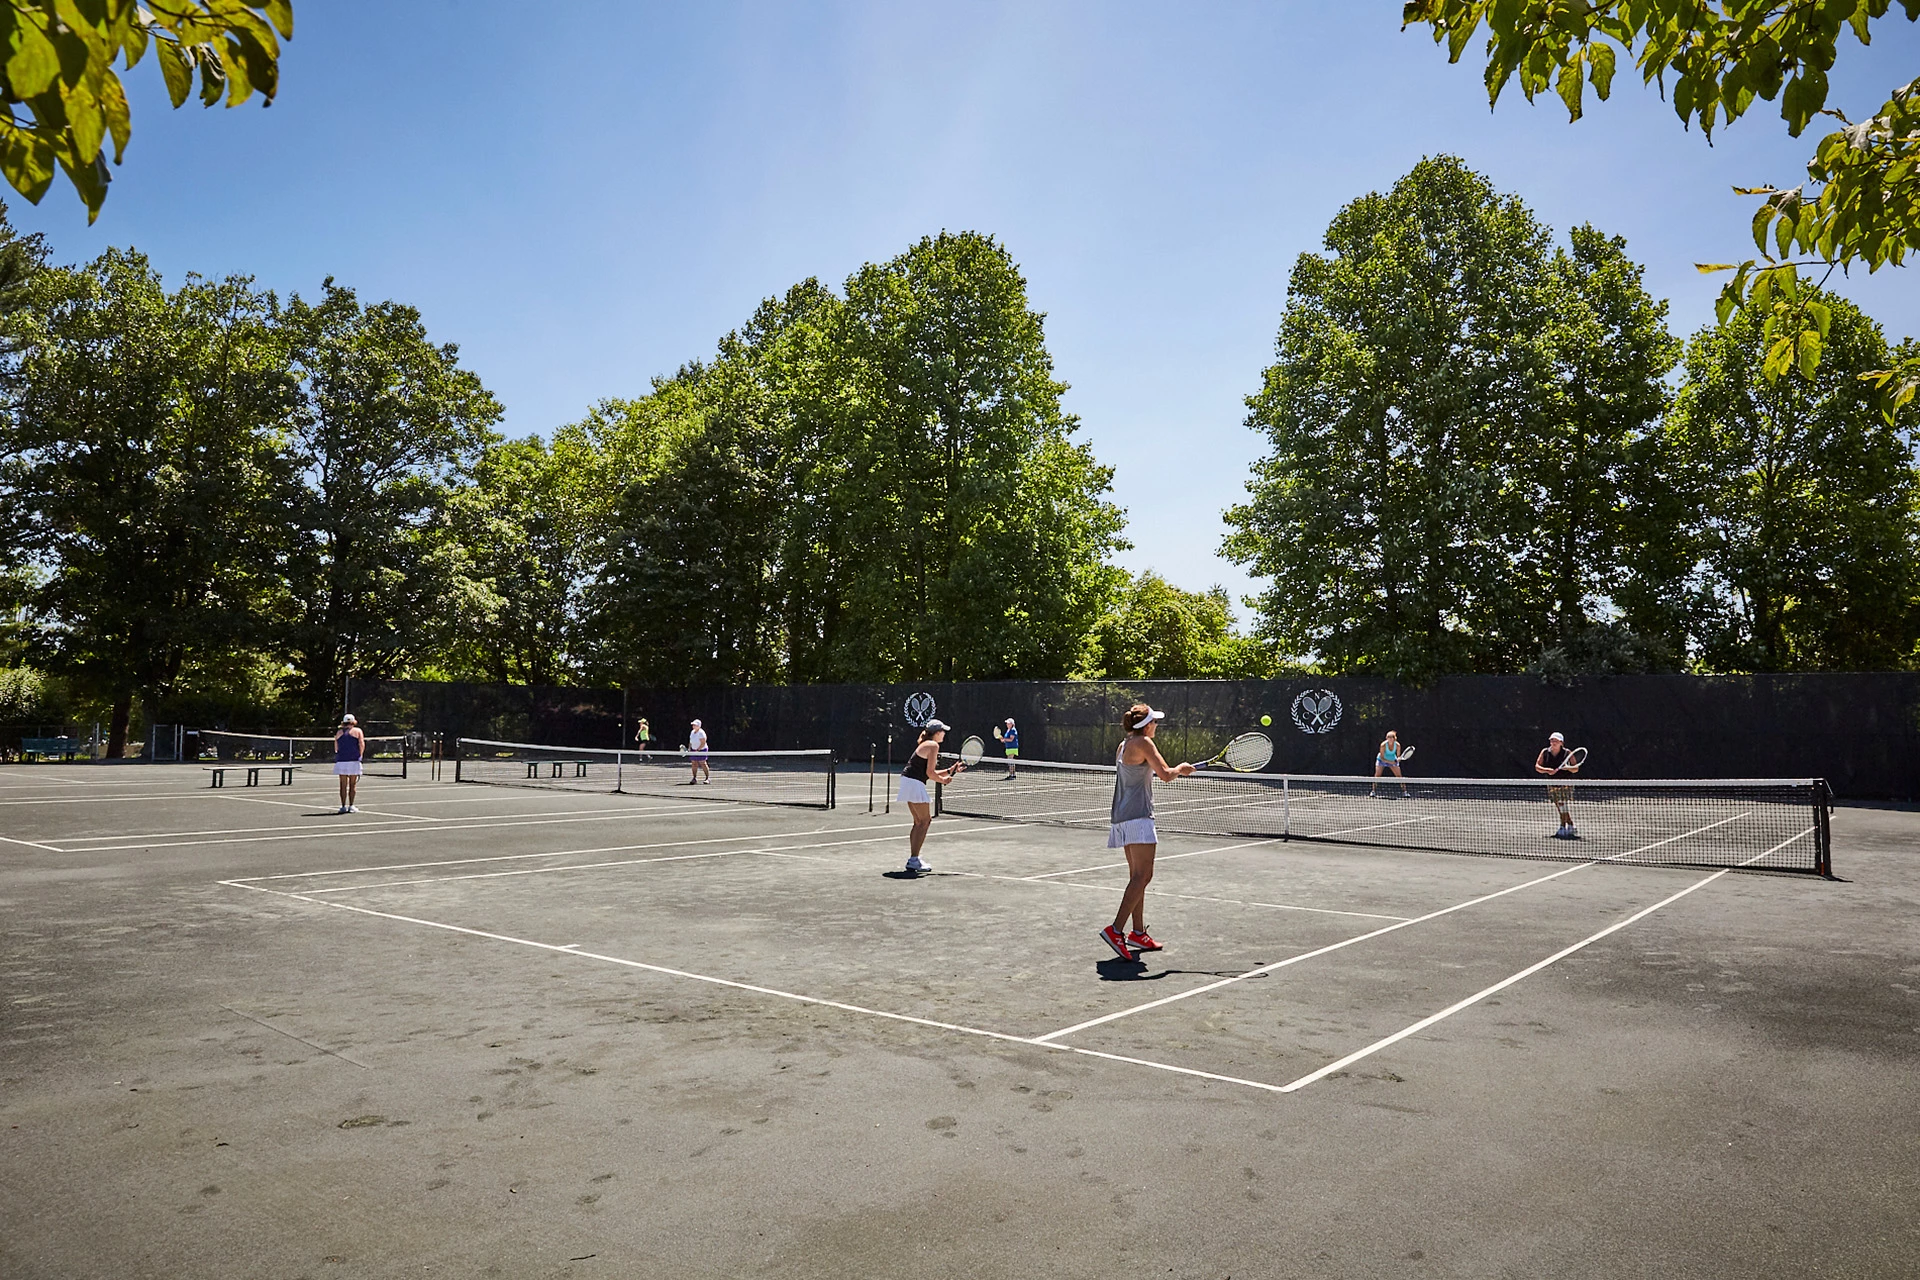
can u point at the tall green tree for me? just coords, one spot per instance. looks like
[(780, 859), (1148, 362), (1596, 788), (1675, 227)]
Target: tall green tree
[(686, 591), (1451, 417), (1803, 501), (389, 425), (1589, 520), (975, 531), (61, 99), (149, 471), (879, 486)]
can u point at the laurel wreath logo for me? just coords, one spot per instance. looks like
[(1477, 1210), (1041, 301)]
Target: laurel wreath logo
[(1316, 710), (919, 709)]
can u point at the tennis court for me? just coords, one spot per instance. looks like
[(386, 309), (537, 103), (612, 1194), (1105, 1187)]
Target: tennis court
[(526, 1031)]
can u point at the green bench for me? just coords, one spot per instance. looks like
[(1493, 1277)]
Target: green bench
[(49, 748)]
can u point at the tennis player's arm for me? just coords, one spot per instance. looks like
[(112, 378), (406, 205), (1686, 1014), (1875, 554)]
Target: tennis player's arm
[(1539, 764), (1161, 770)]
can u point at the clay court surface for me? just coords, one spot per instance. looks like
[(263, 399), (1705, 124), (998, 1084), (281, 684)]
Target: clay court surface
[(485, 1031)]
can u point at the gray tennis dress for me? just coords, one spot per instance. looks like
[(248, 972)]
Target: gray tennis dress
[(1132, 804)]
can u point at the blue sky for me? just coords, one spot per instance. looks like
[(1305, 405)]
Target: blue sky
[(585, 194)]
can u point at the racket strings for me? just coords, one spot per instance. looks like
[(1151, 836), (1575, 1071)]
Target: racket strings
[(1248, 752)]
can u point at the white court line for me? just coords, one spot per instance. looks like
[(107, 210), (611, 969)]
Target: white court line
[(1191, 897), (344, 828), (1432, 915), (558, 853), (889, 838), (337, 831), (32, 844), (1527, 972), (573, 949), (1158, 858)]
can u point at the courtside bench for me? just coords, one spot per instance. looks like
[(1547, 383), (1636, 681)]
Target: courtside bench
[(219, 772), (49, 748)]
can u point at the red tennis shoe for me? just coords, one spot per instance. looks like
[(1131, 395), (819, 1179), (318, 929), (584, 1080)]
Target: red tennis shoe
[(1117, 940), (1140, 941)]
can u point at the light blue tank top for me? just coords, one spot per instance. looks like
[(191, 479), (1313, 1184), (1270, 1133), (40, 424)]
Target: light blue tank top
[(1132, 789)]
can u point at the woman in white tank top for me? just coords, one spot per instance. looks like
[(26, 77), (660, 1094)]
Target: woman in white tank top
[(1135, 766)]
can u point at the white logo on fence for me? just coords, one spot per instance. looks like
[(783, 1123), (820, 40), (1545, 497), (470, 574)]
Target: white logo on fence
[(919, 709), (1316, 710)]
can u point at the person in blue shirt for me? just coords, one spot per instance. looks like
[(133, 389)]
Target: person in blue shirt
[(1009, 739), (347, 751)]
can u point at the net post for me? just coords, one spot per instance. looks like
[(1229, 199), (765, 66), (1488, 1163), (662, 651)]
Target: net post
[(457, 756), (873, 760), (1823, 830), (833, 775), (1286, 807)]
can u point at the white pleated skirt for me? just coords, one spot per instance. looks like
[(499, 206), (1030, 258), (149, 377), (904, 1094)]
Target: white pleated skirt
[(914, 791), (1135, 831)]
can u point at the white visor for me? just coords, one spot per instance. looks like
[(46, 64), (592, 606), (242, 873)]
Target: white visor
[(1151, 715)]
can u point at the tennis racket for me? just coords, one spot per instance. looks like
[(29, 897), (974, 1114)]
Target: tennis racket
[(1246, 753), (972, 752), (1575, 758), (1406, 754)]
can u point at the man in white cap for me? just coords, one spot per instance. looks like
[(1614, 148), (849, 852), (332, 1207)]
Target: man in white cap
[(697, 755), (348, 744), (1553, 759)]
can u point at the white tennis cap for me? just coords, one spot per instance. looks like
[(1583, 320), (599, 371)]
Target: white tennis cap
[(1009, 719), (1552, 737), (936, 726), (1140, 722), (696, 724), (348, 719)]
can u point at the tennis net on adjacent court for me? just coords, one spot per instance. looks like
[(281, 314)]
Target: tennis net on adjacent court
[(760, 777), (382, 757), (1767, 823)]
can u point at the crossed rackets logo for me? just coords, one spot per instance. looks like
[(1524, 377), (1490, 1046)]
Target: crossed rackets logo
[(1316, 710), (919, 709)]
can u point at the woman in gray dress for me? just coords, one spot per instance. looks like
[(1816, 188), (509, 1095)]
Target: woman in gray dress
[(1136, 765)]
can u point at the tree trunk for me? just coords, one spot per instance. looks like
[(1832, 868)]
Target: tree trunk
[(117, 729)]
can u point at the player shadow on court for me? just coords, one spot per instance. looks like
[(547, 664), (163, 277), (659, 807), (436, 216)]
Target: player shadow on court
[(1117, 970)]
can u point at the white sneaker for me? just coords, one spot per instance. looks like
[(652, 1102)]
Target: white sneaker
[(353, 808), (343, 808), (916, 866)]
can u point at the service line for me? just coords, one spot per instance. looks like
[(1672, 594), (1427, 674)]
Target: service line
[(1527, 972)]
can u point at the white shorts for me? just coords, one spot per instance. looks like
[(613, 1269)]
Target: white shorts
[(1136, 831), (347, 768), (914, 791)]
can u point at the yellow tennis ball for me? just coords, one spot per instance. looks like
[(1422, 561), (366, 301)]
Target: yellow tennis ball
[(1266, 719)]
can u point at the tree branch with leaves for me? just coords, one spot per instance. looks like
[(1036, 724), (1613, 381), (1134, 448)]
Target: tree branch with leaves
[(61, 99), (1861, 203)]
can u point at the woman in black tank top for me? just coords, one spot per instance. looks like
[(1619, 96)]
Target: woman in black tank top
[(923, 767)]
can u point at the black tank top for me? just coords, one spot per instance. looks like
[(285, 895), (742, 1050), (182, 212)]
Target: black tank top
[(1555, 758), (917, 767)]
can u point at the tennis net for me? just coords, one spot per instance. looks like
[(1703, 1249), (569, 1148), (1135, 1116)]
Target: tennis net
[(382, 757), (803, 778), (1766, 823)]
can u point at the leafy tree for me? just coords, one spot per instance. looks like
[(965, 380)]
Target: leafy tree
[(686, 594), (1805, 523), (59, 71), (388, 425), (148, 474), (1453, 416), (975, 534), (1404, 366), (1590, 519), (1723, 55), (1156, 631)]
